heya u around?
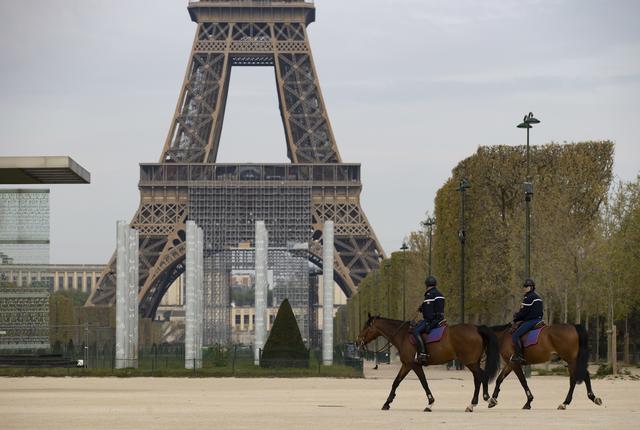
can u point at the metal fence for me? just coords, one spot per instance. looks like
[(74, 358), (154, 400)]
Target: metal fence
[(226, 360)]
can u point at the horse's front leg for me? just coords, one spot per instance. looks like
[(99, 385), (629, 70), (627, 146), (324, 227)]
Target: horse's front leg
[(501, 377), (401, 374), (423, 380)]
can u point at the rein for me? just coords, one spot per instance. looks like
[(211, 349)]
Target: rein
[(388, 339)]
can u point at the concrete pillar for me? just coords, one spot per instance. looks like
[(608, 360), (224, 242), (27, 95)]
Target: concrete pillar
[(262, 246), (194, 306), (200, 292), (327, 287), (126, 297)]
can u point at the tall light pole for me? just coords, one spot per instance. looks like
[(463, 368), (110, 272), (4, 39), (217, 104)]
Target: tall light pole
[(379, 286), (404, 248), (429, 223), (527, 123), (462, 236), (387, 267)]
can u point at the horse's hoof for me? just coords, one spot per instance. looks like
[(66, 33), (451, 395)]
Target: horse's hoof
[(562, 407), (492, 402), (427, 409), (485, 397), (527, 406), (385, 407), (469, 408), (598, 401)]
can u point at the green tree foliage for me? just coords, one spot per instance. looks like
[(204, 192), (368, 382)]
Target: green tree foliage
[(619, 245), (570, 186), (78, 298), (381, 293), (69, 320), (284, 347), (585, 237), (62, 318)]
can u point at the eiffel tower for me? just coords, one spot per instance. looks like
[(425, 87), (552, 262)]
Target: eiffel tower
[(316, 185)]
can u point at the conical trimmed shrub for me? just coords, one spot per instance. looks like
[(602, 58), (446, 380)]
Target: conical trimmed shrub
[(284, 347)]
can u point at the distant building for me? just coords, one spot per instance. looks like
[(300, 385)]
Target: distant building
[(244, 280), (57, 277), (243, 319), (24, 318), (24, 226)]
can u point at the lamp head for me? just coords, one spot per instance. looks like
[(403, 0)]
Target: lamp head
[(530, 119)]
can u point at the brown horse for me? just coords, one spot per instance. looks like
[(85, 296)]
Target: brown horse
[(570, 342), (465, 342)]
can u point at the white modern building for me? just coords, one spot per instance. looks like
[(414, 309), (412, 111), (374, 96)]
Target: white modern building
[(24, 226)]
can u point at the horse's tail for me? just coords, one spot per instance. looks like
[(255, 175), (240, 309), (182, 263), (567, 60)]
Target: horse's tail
[(581, 371), (492, 351)]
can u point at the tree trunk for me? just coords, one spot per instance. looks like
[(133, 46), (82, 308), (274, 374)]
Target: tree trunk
[(614, 350), (586, 322), (565, 317), (597, 337), (578, 310), (626, 341)]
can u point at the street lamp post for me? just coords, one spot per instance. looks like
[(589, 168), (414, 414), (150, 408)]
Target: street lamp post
[(527, 123), (378, 307), (387, 267), (379, 286), (404, 248), (462, 236), (429, 223)]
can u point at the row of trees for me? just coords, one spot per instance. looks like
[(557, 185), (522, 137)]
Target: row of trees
[(71, 321), (585, 242)]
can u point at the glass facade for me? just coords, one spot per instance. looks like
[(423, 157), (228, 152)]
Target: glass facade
[(24, 226)]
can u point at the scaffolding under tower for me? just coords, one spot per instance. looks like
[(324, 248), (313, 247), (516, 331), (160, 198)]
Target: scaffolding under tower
[(227, 209)]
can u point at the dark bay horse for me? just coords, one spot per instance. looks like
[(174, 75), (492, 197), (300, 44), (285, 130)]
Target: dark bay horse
[(465, 342), (570, 342)]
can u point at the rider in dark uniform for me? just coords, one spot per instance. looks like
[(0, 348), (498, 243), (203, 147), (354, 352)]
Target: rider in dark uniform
[(530, 314), (432, 309)]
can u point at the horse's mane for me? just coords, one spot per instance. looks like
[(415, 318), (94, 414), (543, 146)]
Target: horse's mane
[(378, 317), (500, 327)]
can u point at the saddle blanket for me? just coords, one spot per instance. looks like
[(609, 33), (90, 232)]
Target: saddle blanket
[(531, 338), (435, 335)]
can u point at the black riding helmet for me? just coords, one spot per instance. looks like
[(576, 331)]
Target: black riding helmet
[(529, 283), (430, 281)]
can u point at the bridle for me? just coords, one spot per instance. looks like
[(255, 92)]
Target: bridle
[(364, 345)]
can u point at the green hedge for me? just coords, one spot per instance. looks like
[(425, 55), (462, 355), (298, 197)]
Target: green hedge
[(285, 347)]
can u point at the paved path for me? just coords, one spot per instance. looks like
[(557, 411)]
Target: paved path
[(315, 403)]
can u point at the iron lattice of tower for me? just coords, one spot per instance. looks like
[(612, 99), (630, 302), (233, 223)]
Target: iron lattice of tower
[(316, 185)]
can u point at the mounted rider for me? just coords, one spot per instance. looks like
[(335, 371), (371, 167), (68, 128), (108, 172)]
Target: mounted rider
[(530, 314), (432, 309)]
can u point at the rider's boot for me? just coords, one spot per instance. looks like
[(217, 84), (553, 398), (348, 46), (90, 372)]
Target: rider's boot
[(421, 356), (518, 355)]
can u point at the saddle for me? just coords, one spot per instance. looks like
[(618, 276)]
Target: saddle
[(530, 338), (435, 335)]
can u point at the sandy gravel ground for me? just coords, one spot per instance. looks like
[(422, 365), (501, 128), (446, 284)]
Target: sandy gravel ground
[(257, 404)]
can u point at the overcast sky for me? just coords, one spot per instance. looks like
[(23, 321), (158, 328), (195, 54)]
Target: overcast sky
[(411, 87)]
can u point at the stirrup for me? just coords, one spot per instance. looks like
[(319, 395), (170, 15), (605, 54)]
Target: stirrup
[(517, 359), (422, 358)]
